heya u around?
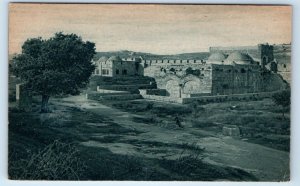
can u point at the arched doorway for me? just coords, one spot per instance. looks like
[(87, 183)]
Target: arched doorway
[(173, 89), (191, 87)]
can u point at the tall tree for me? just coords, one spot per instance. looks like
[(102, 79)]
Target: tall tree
[(60, 65)]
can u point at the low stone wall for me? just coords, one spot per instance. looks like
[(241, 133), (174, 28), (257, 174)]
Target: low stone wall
[(233, 97), (209, 99), (104, 96), (105, 91), (196, 95), (157, 92), (129, 88)]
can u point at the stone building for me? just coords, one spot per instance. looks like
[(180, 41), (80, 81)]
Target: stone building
[(261, 53), (227, 71), (116, 67), (220, 74)]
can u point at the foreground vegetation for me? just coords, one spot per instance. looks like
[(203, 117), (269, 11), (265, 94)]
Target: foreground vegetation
[(49, 146), (260, 122)]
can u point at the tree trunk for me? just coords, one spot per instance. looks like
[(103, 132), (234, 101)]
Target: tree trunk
[(44, 107)]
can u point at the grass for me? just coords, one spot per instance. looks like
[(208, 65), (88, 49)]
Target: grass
[(193, 167), (32, 134), (254, 118), (50, 150), (57, 161)]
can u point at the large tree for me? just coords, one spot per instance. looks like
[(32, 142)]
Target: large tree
[(60, 65)]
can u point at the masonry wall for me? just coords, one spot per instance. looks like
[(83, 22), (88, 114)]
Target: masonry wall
[(266, 54), (166, 62), (181, 80), (104, 66), (119, 68), (211, 99), (235, 79)]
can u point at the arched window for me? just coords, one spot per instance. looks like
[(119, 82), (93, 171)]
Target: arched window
[(117, 71), (243, 70), (124, 72)]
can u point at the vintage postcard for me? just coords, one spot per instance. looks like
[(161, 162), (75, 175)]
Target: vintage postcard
[(149, 92)]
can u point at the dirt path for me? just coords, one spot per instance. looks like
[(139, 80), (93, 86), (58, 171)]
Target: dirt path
[(263, 162)]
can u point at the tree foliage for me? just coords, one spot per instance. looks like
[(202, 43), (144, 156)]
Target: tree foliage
[(193, 72), (60, 65), (283, 99)]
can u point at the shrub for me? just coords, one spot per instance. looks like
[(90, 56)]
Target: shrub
[(57, 161), (283, 99)]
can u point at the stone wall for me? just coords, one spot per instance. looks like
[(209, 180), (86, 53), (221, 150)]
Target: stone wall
[(105, 91), (99, 97), (158, 92), (129, 68), (233, 97), (163, 98), (179, 80), (130, 88), (104, 66), (236, 79), (119, 68), (209, 99), (167, 62)]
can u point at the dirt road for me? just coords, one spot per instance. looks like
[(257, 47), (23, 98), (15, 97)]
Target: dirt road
[(263, 162)]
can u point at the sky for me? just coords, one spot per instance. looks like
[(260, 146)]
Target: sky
[(158, 29)]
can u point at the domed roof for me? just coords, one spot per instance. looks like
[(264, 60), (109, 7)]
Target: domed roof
[(239, 58), (114, 58), (217, 56), (103, 59)]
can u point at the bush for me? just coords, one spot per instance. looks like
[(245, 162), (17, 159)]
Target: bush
[(283, 99), (57, 161)]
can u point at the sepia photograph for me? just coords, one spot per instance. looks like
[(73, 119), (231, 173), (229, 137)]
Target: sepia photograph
[(149, 92)]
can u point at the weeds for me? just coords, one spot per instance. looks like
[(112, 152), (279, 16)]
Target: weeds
[(57, 161)]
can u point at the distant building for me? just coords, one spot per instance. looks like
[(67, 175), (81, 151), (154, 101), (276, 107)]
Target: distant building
[(115, 67), (228, 70), (220, 74), (262, 53)]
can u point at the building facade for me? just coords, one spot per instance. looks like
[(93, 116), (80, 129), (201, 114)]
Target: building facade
[(228, 70), (117, 67), (237, 73)]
